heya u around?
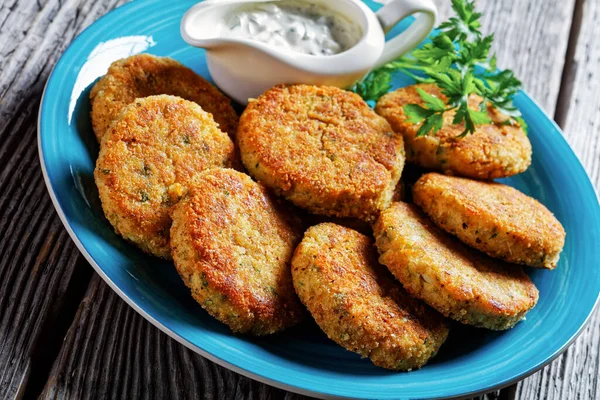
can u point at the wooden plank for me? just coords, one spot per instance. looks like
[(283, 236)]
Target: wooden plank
[(112, 352), (37, 258), (576, 374)]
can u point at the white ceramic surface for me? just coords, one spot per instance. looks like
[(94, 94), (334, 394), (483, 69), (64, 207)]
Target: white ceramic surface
[(238, 65)]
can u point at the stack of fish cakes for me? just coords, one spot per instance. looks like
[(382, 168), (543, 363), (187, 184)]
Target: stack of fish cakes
[(165, 182), (164, 179), (358, 305), (461, 246), (153, 142), (301, 141)]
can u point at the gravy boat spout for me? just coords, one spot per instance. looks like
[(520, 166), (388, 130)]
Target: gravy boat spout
[(244, 67), (201, 24)]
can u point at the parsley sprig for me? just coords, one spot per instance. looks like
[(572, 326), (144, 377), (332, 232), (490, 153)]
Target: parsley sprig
[(457, 61)]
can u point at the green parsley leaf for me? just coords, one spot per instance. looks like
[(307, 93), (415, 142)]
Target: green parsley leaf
[(416, 113), (431, 102), (466, 26), (432, 123), (374, 85), (458, 61), (479, 117)]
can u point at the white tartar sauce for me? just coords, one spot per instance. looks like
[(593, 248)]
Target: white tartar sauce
[(294, 25)]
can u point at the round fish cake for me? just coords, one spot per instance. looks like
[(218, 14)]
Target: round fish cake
[(232, 245), (459, 282), (323, 149), (356, 302), (148, 157), (492, 217), (145, 75), (495, 150)]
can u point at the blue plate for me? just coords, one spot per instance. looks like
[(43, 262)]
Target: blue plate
[(303, 359)]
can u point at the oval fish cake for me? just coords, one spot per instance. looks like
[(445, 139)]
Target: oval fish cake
[(145, 75), (232, 245), (148, 157), (495, 150), (494, 218), (461, 283), (356, 302), (323, 149)]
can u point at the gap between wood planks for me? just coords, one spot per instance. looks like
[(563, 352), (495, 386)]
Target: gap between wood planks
[(570, 67), (47, 348), (50, 343)]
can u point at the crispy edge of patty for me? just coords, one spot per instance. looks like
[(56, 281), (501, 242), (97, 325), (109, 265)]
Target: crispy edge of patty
[(459, 282), (356, 302), (143, 75), (151, 162), (495, 150), (232, 245), (323, 149), (494, 218)]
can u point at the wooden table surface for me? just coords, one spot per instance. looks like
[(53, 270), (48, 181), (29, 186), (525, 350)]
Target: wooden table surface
[(65, 334)]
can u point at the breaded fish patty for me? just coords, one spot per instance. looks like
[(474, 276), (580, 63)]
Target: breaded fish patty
[(459, 282), (323, 149), (358, 305), (495, 150), (145, 75), (492, 217), (232, 245), (148, 157)]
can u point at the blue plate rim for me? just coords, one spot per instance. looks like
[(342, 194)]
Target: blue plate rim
[(233, 367)]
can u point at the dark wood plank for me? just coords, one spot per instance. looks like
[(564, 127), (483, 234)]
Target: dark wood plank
[(37, 258), (112, 352), (576, 374)]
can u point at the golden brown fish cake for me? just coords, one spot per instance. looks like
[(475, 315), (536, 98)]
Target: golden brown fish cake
[(148, 157), (145, 75), (358, 305), (459, 282), (495, 150), (323, 149), (232, 245), (492, 217)]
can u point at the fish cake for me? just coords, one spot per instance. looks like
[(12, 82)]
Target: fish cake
[(495, 150), (232, 245), (459, 282), (323, 149), (356, 302), (145, 75), (494, 218), (148, 157)]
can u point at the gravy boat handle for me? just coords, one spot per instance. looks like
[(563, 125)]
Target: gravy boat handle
[(394, 12)]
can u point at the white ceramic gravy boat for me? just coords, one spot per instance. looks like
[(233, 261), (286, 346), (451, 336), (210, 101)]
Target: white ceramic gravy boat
[(245, 68)]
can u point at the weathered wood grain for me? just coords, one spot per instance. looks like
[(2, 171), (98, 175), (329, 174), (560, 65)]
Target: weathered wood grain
[(576, 374), (37, 258), (112, 352)]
